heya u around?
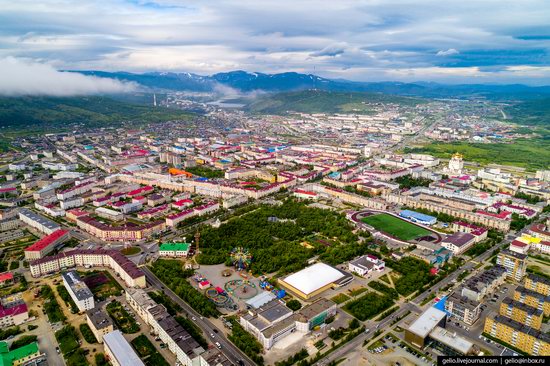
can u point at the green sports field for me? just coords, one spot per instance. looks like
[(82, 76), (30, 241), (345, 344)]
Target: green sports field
[(396, 227)]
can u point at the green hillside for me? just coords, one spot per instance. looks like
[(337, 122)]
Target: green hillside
[(320, 101), (51, 113), (531, 154)]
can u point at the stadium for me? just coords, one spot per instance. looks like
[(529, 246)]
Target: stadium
[(396, 227)]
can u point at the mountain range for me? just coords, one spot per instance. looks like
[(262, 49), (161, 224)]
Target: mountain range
[(242, 81)]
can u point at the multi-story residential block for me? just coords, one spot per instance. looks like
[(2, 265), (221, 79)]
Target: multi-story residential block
[(177, 339), (515, 264), (79, 291), (46, 245), (118, 350), (520, 336), (521, 313), (537, 283), (99, 322), (533, 299), (484, 284), (119, 233), (122, 266), (463, 308), (38, 222)]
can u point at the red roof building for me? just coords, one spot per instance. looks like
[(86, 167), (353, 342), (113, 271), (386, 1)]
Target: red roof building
[(46, 245)]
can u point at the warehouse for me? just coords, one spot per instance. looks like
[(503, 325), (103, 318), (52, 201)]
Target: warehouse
[(314, 280)]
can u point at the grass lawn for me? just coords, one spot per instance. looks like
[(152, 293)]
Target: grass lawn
[(395, 226), (130, 250), (340, 298)]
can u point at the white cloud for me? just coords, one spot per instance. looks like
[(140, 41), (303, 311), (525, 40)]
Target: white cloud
[(449, 52), (26, 77)]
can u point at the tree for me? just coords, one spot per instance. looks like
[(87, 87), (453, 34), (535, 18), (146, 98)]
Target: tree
[(294, 305)]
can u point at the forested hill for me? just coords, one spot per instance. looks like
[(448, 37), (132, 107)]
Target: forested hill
[(94, 111), (322, 101)]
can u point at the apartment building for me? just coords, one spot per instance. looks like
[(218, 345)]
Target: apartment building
[(99, 322), (515, 264), (46, 245), (533, 299), (537, 283), (122, 266), (462, 308), (521, 313), (520, 336), (79, 291)]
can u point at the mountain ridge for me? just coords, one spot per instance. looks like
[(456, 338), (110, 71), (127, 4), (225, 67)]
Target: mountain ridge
[(244, 81)]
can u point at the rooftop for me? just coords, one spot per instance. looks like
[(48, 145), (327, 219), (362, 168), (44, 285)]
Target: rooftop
[(427, 322), (313, 278), (452, 340), (121, 349), (183, 247), (47, 240)]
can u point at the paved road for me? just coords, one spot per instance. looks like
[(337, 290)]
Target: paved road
[(232, 352), (386, 322)]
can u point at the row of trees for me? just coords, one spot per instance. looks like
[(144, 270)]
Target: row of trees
[(246, 343), (172, 274)]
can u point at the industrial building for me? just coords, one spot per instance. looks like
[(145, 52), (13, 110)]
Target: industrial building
[(80, 293), (314, 280), (118, 350)]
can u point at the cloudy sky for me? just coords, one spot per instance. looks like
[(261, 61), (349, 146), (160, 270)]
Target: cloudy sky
[(409, 40)]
